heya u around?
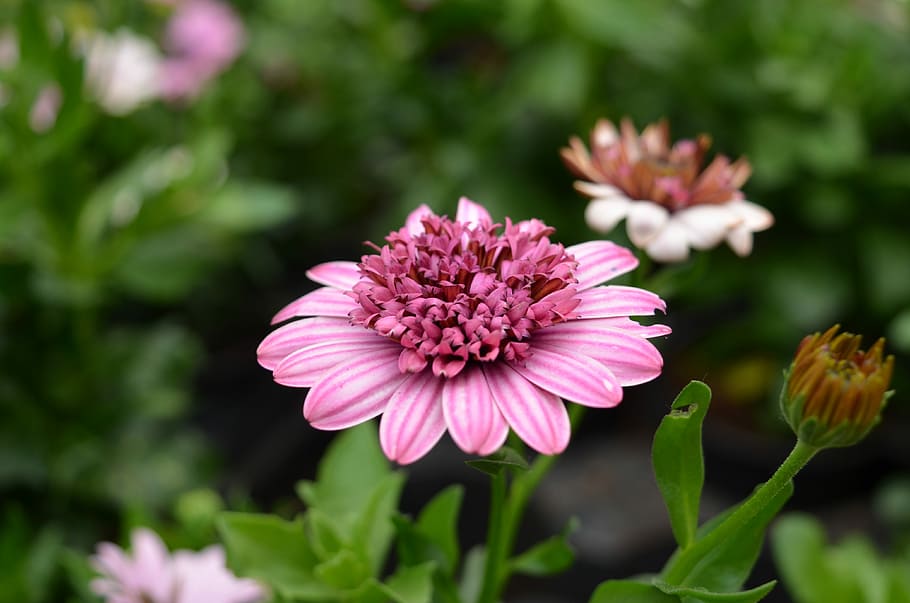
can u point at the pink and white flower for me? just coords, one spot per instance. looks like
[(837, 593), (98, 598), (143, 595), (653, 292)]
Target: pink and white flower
[(669, 202), (152, 575), (469, 327)]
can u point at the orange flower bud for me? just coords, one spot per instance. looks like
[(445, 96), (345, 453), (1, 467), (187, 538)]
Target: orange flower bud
[(834, 391)]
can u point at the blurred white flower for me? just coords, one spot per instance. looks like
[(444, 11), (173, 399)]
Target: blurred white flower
[(122, 70)]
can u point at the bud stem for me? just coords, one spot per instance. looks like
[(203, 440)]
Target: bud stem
[(686, 560)]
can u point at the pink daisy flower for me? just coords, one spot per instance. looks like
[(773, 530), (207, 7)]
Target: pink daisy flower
[(469, 327), (152, 575), (670, 201)]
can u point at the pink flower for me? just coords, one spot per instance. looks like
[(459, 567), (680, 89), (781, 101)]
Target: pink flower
[(151, 575), (203, 37), (669, 201), (43, 114), (467, 326)]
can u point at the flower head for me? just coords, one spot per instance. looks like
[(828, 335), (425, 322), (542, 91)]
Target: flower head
[(152, 575), (835, 391), (669, 200), (467, 326)]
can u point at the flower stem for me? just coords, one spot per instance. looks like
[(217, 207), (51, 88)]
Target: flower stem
[(506, 516), (688, 558), (496, 553)]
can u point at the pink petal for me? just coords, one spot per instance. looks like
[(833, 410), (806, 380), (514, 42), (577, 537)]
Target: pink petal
[(630, 327), (413, 420), (599, 261), (306, 332), (325, 301), (538, 417), (468, 408), (499, 431), (413, 222), (305, 367), (570, 375), (340, 274), (472, 213), (617, 300), (354, 391), (631, 358)]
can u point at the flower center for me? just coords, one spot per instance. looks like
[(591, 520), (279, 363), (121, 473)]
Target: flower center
[(459, 293)]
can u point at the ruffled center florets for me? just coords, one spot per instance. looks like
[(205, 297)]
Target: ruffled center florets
[(459, 293)]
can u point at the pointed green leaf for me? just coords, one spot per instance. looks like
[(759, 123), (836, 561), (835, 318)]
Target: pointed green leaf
[(629, 591), (351, 469), (275, 551), (726, 567), (344, 571), (438, 520), (706, 596), (499, 461), (322, 534), (472, 574), (678, 461), (551, 556), (373, 529), (411, 584)]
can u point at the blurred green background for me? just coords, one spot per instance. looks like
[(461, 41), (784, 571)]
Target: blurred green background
[(144, 248)]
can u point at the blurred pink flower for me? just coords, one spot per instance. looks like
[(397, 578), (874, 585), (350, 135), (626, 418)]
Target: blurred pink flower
[(122, 70), (43, 114), (151, 575), (669, 200), (203, 37), (467, 326)]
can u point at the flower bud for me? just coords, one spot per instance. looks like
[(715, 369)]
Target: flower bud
[(834, 391)]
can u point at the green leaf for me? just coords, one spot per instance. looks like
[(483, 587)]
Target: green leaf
[(678, 460), (275, 551), (411, 584), (501, 460), (798, 545), (551, 556), (322, 534), (438, 521), (344, 571), (727, 566), (373, 531), (349, 472), (472, 574), (628, 591), (707, 596)]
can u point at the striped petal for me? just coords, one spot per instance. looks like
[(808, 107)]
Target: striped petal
[(539, 417), (631, 358), (472, 213), (340, 274), (354, 391), (599, 261), (570, 375), (305, 367), (468, 408), (630, 327), (325, 301), (499, 431), (413, 420), (618, 300), (310, 331)]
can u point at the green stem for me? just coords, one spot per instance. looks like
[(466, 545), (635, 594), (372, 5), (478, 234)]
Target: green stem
[(689, 558), (496, 554), (512, 512)]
